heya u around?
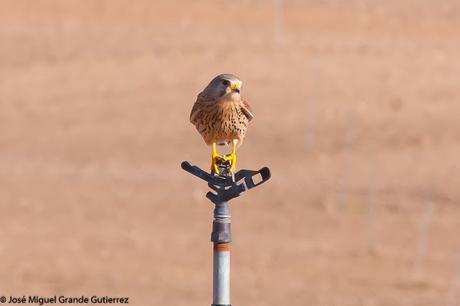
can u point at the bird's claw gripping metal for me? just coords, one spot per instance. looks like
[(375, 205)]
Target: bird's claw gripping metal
[(232, 159), (223, 164), (216, 161), (227, 187)]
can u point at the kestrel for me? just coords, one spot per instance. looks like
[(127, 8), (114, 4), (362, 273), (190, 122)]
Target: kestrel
[(221, 116)]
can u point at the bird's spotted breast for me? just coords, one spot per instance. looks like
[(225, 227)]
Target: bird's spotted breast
[(221, 122)]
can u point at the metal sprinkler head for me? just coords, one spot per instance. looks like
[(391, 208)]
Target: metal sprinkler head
[(226, 185)]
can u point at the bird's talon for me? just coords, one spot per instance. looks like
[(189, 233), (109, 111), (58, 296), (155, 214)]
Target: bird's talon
[(232, 158), (214, 163), (227, 162)]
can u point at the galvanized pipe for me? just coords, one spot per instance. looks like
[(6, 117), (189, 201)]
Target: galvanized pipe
[(221, 272), (221, 236)]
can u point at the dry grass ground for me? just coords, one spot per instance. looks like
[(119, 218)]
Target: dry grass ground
[(357, 114)]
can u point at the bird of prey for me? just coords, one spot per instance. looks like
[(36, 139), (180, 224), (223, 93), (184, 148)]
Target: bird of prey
[(221, 116)]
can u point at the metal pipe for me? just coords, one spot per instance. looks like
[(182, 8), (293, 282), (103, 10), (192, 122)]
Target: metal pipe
[(221, 236), (221, 273)]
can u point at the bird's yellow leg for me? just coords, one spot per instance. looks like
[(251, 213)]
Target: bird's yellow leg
[(215, 156), (232, 156)]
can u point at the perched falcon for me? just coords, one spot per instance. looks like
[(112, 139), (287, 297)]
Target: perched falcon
[(222, 117)]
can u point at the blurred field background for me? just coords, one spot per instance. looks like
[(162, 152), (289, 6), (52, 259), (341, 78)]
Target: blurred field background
[(357, 114)]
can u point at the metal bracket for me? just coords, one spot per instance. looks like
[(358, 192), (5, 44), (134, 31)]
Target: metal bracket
[(228, 187)]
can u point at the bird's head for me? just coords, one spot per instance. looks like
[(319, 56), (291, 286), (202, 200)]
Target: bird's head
[(224, 86)]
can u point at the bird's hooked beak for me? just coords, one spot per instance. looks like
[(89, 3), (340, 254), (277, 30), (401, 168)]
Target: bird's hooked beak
[(236, 87)]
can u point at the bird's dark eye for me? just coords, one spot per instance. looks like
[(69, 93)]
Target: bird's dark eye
[(225, 82)]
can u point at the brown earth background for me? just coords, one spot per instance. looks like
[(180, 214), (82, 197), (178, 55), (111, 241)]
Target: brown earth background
[(357, 114)]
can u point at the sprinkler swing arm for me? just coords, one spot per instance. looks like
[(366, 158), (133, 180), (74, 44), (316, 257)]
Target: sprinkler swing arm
[(226, 186)]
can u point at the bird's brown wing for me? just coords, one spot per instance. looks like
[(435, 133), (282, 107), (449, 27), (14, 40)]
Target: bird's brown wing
[(247, 111), (196, 109), (194, 112)]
